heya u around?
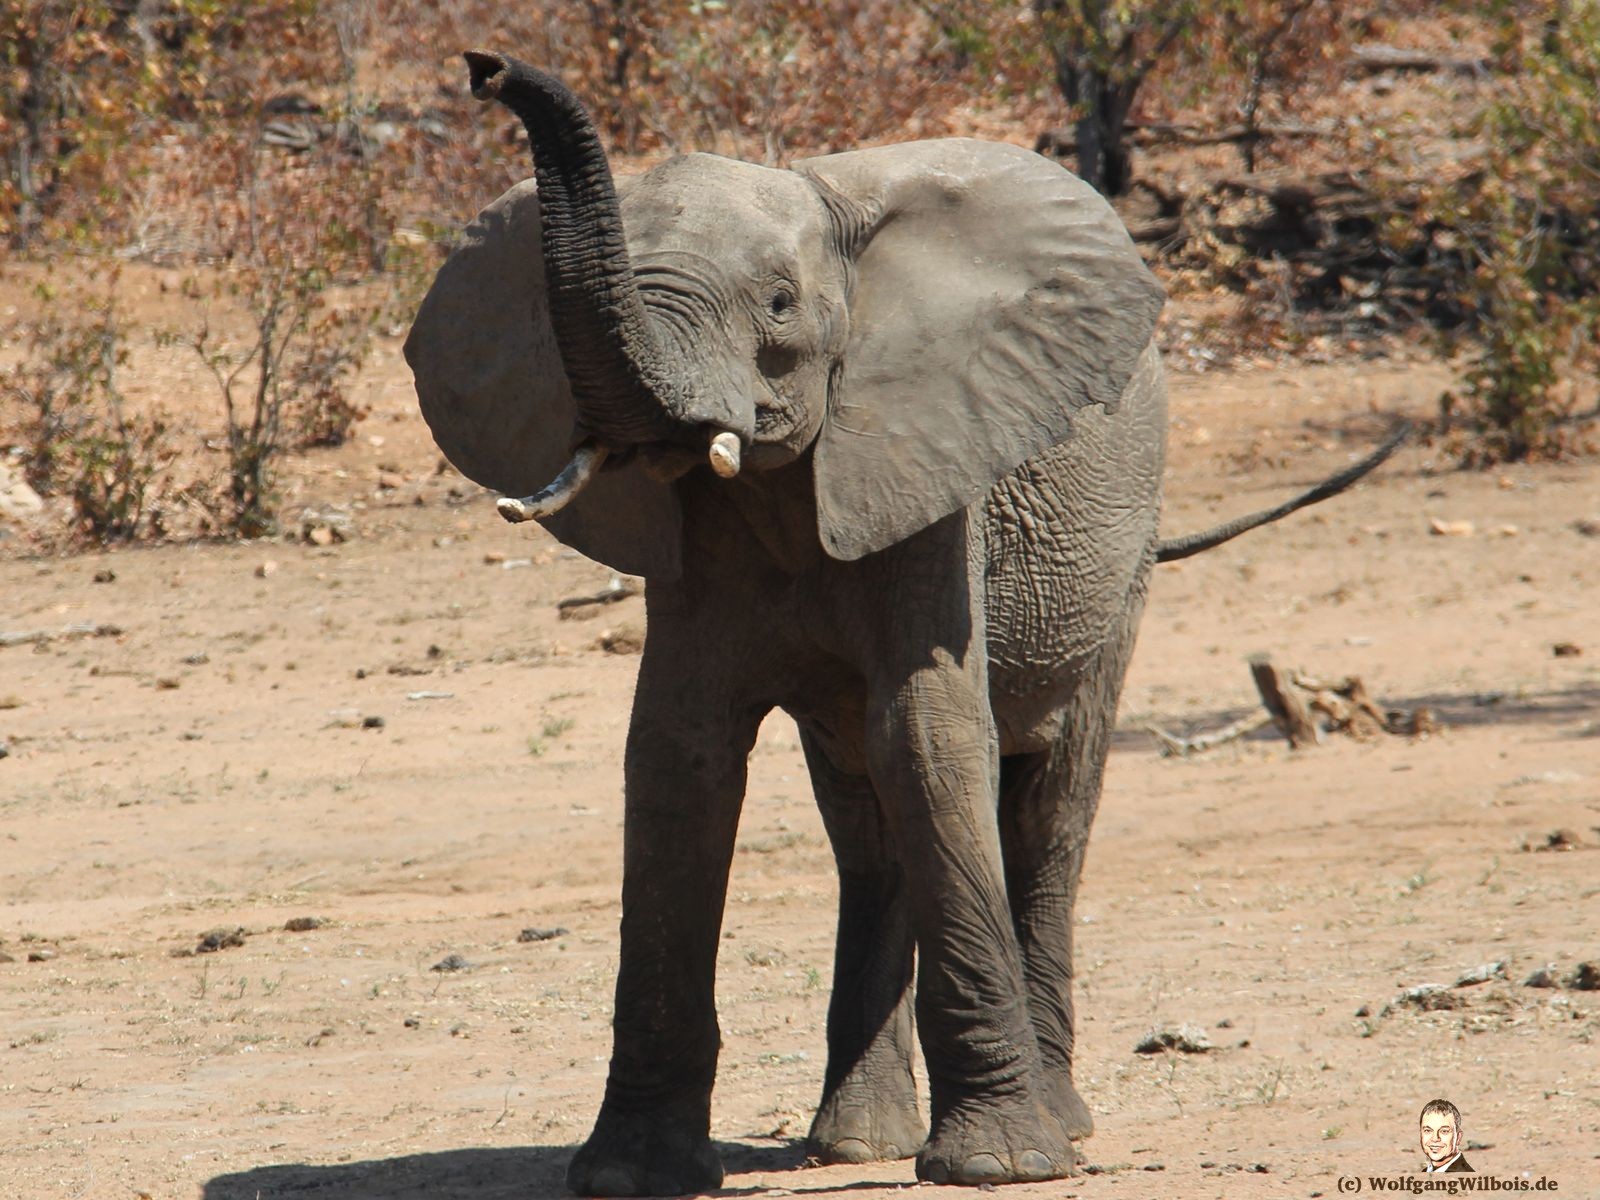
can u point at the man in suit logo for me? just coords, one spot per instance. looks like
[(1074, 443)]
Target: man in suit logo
[(1441, 1138)]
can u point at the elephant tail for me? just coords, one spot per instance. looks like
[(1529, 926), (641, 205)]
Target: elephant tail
[(1171, 549)]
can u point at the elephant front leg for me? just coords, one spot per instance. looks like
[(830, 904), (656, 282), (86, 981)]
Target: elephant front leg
[(685, 781), (868, 1110), (931, 749)]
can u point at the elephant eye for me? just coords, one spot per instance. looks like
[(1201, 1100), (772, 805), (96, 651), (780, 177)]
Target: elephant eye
[(782, 301)]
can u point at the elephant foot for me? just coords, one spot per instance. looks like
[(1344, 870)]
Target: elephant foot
[(1069, 1109), (859, 1129), (977, 1143), (633, 1154)]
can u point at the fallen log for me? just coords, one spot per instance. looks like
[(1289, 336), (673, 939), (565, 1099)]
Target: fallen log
[(1305, 709), (1173, 746), (1374, 58)]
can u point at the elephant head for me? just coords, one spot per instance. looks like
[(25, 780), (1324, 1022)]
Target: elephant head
[(920, 318)]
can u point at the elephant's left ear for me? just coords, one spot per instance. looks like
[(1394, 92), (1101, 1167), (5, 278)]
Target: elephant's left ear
[(995, 294)]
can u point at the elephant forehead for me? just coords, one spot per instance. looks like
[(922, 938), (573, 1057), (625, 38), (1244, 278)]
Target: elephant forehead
[(720, 208)]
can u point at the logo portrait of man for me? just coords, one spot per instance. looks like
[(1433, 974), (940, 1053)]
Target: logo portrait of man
[(1441, 1138)]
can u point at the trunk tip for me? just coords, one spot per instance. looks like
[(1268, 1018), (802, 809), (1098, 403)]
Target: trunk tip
[(487, 72)]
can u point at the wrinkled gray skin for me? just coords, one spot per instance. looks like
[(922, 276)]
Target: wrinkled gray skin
[(937, 359)]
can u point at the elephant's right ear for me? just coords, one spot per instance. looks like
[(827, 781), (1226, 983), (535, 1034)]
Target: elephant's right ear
[(492, 389)]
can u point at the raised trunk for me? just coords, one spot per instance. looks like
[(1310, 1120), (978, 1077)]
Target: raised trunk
[(624, 393)]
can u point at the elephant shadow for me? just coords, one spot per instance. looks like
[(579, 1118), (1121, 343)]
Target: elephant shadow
[(523, 1172)]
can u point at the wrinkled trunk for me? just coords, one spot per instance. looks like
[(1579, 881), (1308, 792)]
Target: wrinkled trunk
[(613, 360)]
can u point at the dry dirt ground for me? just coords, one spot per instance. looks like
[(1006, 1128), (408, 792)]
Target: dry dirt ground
[(202, 764)]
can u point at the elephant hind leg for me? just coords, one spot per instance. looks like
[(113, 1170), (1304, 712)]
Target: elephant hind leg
[(868, 1110), (1048, 800)]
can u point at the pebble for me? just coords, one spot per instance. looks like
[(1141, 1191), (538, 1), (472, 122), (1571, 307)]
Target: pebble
[(304, 924), (542, 935), (451, 962), (1482, 974), (1187, 1039), (1585, 977), (263, 570), (221, 938)]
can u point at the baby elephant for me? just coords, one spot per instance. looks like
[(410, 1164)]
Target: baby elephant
[(884, 432)]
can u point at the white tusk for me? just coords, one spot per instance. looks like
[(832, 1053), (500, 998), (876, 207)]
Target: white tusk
[(586, 460), (724, 454)]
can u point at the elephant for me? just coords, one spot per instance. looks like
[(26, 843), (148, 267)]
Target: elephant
[(884, 432)]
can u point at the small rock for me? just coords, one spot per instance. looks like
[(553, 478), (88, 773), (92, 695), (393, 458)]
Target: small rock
[(494, 558), (1364, 1011), (317, 1038), (1544, 977), (221, 938), (105, 575), (265, 569), (304, 924), (451, 962), (1258, 1169), (344, 718), (626, 639), (1450, 528), (1225, 1023), (1154, 1167), (389, 481), (1566, 650), (430, 695), (1427, 997), (542, 935), (42, 955), (196, 660), (1588, 526), (325, 525), (5, 751), (1503, 531), (1560, 839), (413, 1022), (1585, 977), (1482, 974), (373, 722), (17, 500), (1186, 1039)]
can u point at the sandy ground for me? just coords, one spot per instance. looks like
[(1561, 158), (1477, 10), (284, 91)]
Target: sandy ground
[(199, 762)]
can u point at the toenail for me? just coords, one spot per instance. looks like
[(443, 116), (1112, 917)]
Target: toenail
[(1033, 1165), (982, 1168), (612, 1181)]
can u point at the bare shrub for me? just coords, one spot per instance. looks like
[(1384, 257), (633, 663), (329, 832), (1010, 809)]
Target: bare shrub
[(1529, 223), (293, 227), (72, 423)]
